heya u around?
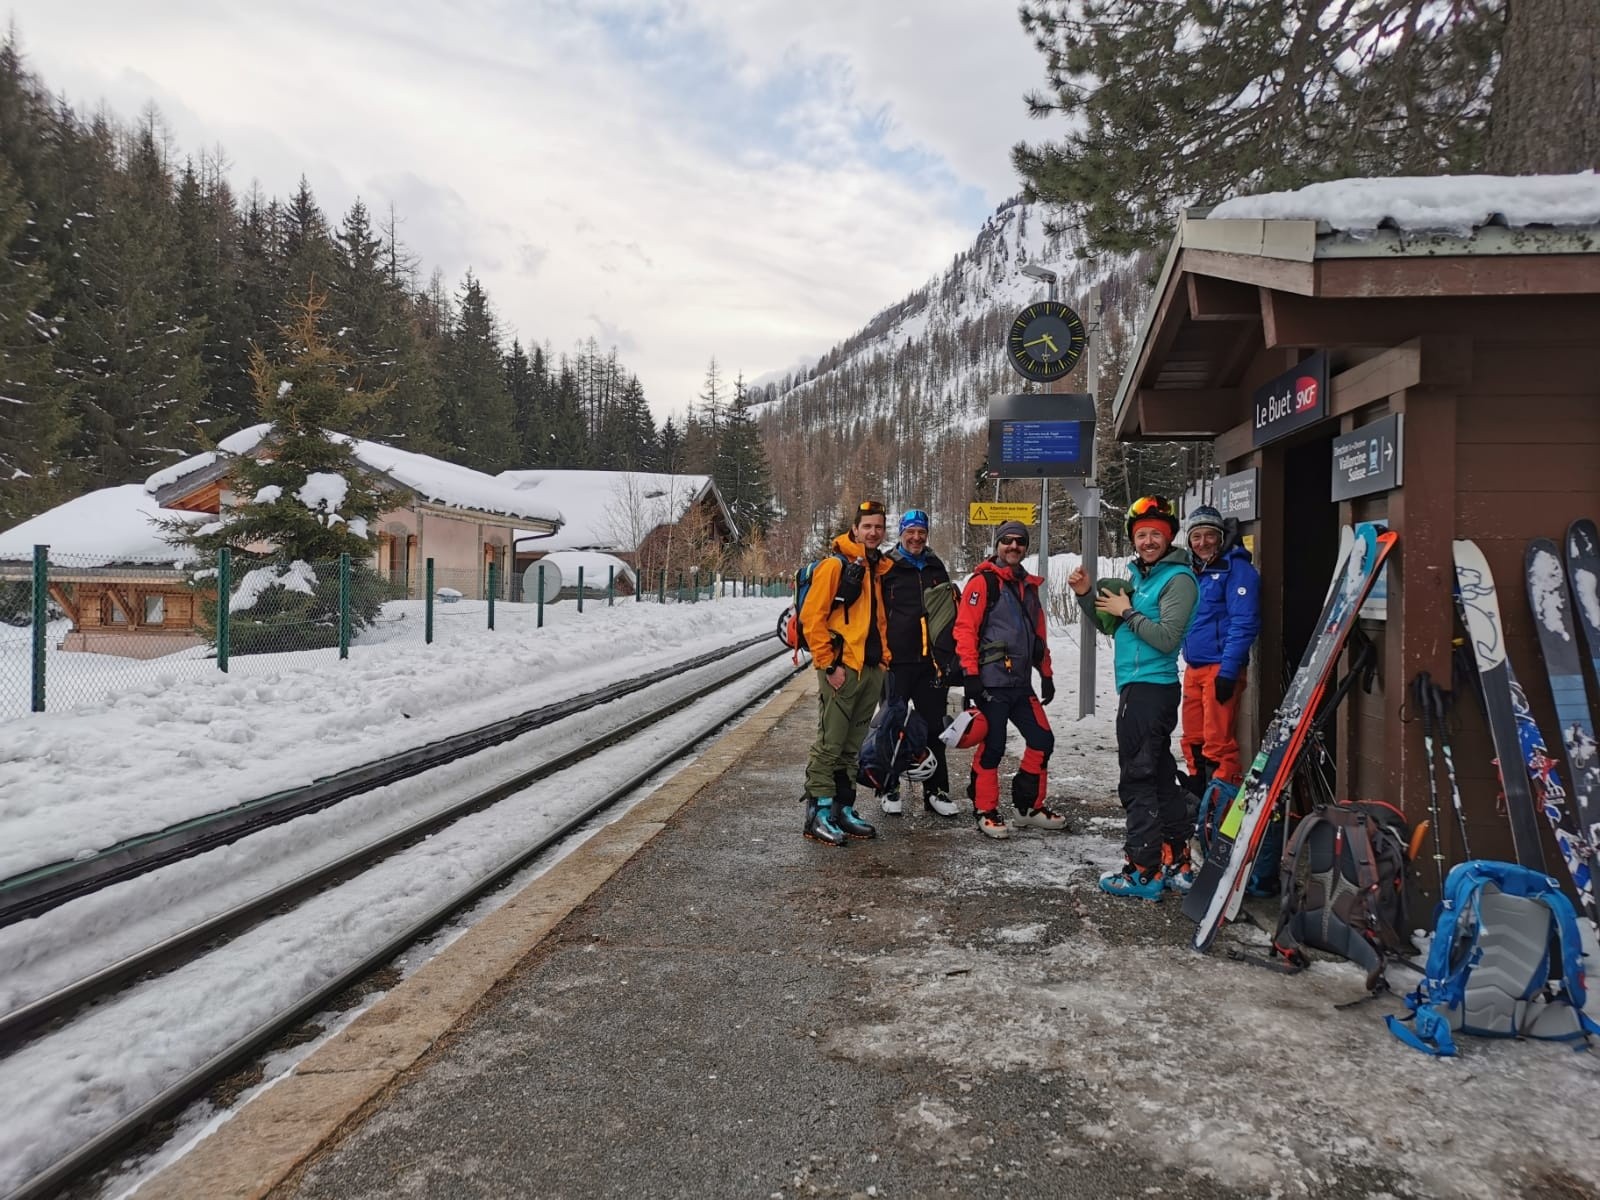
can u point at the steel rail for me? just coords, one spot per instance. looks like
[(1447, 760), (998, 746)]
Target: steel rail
[(93, 1152), (37, 891)]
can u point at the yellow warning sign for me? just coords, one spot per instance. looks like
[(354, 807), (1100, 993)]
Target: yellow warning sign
[(996, 514)]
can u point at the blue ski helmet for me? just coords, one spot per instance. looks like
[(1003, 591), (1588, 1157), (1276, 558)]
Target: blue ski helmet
[(914, 518)]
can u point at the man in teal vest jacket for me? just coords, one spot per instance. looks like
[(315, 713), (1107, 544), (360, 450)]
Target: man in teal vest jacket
[(1151, 620)]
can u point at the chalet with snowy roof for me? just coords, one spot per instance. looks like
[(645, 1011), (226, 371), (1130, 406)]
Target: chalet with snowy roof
[(126, 590), (650, 521), (1421, 352)]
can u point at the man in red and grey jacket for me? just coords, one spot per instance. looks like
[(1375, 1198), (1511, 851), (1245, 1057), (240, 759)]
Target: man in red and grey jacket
[(1000, 640)]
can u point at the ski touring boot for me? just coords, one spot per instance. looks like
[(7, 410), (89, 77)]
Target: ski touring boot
[(992, 824), (1177, 871), (846, 818), (1134, 881), (889, 803), (939, 804), (1041, 816), (819, 825)]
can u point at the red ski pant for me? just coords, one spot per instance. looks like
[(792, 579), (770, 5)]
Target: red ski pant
[(1208, 723), (1031, 783)]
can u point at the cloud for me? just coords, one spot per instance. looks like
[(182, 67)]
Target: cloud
[(746, 180)]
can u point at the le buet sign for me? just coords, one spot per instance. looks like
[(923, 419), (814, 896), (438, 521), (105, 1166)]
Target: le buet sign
[(1291, 401)]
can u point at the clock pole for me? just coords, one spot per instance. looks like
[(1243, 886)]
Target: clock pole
[(1048, 277)]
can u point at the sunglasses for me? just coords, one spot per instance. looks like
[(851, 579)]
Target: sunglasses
[(1012, 541), (870, 508)]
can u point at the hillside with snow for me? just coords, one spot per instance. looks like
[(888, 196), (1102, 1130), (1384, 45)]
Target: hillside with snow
[(899, 409)]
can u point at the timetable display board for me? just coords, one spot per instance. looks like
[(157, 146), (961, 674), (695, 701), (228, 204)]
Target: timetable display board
[(1041, 436)]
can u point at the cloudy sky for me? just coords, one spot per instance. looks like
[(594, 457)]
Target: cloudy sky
[(749, 179)]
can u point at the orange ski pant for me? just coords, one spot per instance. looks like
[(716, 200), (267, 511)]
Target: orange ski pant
[(1208, 722)]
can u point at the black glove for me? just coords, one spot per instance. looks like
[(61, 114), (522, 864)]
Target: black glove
[(1047, 688), (972, 695), (1223, 689)]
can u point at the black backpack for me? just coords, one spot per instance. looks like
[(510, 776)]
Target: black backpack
[(1344, 886)]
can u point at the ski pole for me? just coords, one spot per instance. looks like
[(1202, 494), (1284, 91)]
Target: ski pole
[(1419, 690), (1440, 700)]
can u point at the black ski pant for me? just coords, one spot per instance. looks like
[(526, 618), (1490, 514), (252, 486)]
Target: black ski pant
[(1147, 713), (918, 682)]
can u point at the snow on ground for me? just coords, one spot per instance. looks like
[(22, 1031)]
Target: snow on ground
[(173, 746)]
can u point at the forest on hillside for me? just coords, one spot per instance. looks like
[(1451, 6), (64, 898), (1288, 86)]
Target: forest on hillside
[(134, 283)]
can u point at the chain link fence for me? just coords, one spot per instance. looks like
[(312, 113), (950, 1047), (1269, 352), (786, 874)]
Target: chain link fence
[(75, 629)]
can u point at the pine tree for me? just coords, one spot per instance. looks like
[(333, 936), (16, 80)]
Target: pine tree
[(525, 416), (741, 471), (132, 363), (670, 457), (478, 419), (309, 255), (1194, 102), (34, 426), (214, 299), (307, 498)]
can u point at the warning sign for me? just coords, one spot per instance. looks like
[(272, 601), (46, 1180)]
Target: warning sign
[(997, 514)]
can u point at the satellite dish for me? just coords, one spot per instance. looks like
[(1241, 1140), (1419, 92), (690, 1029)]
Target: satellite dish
[(552, 581)]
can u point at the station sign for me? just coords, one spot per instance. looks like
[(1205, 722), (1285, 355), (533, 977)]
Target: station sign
[(1368, 459), (1293, 400), (1041, 436), (980, 513), (1237, 495)]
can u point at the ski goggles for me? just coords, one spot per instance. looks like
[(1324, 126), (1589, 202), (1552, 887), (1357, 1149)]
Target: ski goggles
[(1150, 506), (870, 508)]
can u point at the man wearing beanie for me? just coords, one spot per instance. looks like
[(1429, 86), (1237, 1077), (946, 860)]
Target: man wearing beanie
[(913, 569), (1000, 641), (1216, 650), (1151, 621)]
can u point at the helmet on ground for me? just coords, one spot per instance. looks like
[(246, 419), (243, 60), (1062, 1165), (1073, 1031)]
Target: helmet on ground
[(922, 770), (1206, 517), (969, 728), (1152, 508), (914, 518)]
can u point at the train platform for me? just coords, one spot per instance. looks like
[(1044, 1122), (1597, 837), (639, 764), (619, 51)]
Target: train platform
[(700, 1002)]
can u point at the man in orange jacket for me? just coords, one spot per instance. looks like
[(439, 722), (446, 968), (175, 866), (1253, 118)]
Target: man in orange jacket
[(847, 632)]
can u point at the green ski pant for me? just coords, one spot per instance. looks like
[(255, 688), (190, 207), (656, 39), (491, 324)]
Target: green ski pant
[(842, 720)]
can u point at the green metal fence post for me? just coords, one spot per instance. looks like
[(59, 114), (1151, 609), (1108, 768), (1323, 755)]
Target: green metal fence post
[(638, 586), (661, 596), (580, 589), (224, 605), (491, 595), (427, 608), (611, 585), (540, 625), (344, 606), (41, 588)]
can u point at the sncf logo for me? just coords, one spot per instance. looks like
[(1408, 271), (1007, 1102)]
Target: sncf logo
[(1305, 393)]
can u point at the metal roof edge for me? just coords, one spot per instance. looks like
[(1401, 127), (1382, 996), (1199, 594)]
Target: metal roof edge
[(1486, 240)]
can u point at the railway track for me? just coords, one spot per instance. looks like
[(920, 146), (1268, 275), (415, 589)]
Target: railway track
[(696, 700)]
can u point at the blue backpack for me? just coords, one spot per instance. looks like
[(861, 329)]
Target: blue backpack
[(1506, 961), (896, 740)]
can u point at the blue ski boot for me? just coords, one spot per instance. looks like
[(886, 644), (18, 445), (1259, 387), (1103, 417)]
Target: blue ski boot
[(1134, 881), (819, 825), (853, 826)]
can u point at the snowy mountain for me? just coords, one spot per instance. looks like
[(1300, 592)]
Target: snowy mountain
[(899, 409)]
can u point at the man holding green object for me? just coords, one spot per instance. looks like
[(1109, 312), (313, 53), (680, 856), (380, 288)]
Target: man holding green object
[(1151, 619)]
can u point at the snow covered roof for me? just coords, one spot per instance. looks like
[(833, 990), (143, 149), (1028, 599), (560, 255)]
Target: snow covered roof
[(432, 479), (1455, 204), (115, 525), (613, 510)]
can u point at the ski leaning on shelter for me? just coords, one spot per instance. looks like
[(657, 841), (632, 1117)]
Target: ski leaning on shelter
[(1218, 889), (1479, 606), (1558, 641), (1583, 573)]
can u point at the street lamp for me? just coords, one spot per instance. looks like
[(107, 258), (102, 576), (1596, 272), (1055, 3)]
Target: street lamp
[(1044, 274)]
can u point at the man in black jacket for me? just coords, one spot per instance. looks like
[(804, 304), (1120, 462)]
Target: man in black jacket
[(913, 570)]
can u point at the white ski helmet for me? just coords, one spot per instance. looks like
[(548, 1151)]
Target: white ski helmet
[(923, 768)]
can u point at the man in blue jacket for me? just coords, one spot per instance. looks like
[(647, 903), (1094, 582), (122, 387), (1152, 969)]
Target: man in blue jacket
[(1217, 648), (1151, 620)]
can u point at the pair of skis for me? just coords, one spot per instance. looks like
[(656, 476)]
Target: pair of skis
[(1219, 885), (1574, 819)]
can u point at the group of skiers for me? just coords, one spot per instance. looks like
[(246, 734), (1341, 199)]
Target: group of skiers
[(1202, 601)]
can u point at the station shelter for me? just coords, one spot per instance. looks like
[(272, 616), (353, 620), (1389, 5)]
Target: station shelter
[(1421, 352)]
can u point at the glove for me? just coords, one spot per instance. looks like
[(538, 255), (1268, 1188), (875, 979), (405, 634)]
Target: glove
[(1222, 689), (1047, 688), (973, 695)]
